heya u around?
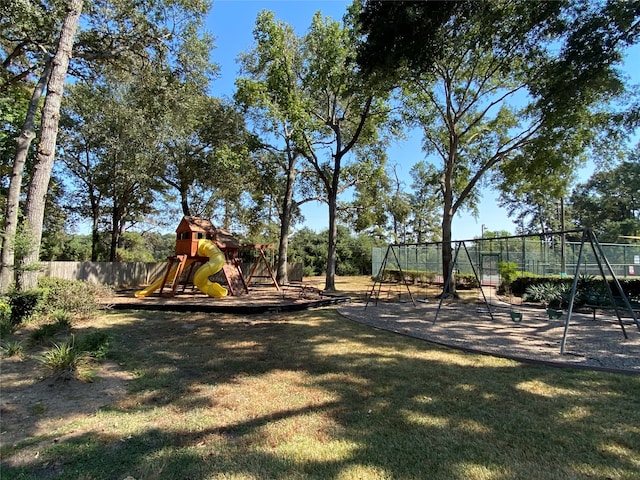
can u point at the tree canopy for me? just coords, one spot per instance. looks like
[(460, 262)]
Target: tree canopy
[(609, 202), (313, 105), (43, 41), (508, 92)]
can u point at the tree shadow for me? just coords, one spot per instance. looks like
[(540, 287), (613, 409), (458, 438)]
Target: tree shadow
[(212, 391)]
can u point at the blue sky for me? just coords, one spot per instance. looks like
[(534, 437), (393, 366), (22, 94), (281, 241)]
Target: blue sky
[(232, 23)]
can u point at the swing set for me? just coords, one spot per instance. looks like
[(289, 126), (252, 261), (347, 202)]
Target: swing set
[(398, 258)]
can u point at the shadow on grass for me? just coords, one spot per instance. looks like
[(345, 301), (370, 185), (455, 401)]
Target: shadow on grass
[(313, 395)]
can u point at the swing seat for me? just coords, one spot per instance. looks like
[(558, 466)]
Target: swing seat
[(553, 313), (516, 316)]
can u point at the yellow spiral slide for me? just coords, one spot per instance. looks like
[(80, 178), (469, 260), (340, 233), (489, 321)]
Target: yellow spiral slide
[(206, 248)]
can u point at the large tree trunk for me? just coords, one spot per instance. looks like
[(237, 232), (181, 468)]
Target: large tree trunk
[(23, 143), (94, 201), (36, 198), (282, 275), (447, 252), (330, 280), (448, 212), (184, 201), (95, 239), (116, 220), (332, 198)]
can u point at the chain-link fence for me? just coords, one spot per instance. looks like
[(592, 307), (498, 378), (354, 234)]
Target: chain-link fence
[(538, 255)]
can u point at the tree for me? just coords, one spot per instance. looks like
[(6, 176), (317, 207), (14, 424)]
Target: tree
[(347, 117), (371, 209), (113, 161), (507, 87), (117, 32), (205, 148), (36, 196), (353, 251), (309, 249), (534, 203), (55, 220), (202, 139), (609, 201), (310, 104), (183, 139), (81, 137), (402, 34), (67, 247), (424, 202), (271, 94), (19, 155)]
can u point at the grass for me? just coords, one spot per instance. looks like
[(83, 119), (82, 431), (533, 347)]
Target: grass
[(314, 395), (47, 331), (12, 349)]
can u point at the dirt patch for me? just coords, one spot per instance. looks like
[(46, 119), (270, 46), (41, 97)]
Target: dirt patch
[(35, 404)]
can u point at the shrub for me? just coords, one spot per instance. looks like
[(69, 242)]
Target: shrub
[(508, 273), (587, 285), (12, 349), (465, 281), (25, 304), (632, 287), (78, 298), (410, 276), (520, 285), (591, 289), (6, 325)]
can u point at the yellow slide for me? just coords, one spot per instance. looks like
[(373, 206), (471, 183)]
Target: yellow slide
[(206, 248), (155, 285)]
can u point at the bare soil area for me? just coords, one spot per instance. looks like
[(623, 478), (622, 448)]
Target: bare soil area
[(33, 403)]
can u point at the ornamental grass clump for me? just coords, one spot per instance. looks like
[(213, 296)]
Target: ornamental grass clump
[(64, 357), (552, 295), (68, 357), (12, 349)]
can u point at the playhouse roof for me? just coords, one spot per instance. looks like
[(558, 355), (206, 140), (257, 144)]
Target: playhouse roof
[(221, 237), (195, 224), (225, 239)]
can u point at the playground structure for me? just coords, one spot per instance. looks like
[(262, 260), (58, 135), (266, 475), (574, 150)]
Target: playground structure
[(479, 259), (212, 250)]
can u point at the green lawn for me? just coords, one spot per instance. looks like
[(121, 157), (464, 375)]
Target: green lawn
[(314, 395)]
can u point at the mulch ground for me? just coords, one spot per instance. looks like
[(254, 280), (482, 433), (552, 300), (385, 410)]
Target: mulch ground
[(598, 344)]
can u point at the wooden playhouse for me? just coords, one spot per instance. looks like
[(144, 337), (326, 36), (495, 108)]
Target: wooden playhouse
[(182, 265)]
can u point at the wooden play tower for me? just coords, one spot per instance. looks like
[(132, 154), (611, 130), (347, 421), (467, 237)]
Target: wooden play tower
[(182, 265)]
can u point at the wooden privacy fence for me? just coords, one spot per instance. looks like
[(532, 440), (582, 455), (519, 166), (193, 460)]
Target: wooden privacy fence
[(133, 274)]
